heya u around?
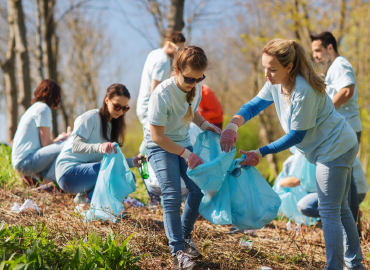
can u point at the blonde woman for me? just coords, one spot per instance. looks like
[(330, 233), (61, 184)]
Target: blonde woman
[(311, 123)]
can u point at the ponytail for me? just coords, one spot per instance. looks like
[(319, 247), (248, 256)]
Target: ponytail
[(193, 58), (291, 51)]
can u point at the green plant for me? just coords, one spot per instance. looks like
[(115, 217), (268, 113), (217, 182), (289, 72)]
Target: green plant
[(8, 176)]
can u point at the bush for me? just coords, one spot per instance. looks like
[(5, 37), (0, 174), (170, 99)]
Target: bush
[(8, 176)]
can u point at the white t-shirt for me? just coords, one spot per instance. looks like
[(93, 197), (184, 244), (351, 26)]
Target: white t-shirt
[(157, 67), (328, 134), (167, 106), (27, 138), (89, 126), (339, 75)]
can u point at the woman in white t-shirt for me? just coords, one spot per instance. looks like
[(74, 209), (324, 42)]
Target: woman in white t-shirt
[(311, 123), (172, 106), (33, 150), (94, 132)]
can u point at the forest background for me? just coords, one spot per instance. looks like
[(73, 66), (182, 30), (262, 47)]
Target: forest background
[(86, 45)]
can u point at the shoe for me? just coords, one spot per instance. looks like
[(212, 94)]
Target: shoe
[(190, 249), (182, 261)]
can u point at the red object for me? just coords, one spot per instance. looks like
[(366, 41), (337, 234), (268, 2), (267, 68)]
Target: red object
[(228, 140), (210, 107), (251, 159)]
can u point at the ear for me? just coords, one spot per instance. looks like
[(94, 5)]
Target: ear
[(106, 100), (289, 68), (330, 47), (177, 71)]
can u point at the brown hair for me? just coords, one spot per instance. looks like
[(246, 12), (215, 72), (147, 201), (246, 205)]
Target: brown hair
[(326, 38), (118, 125), (175, 37), (48, 91), (291, 51), (193, 58)]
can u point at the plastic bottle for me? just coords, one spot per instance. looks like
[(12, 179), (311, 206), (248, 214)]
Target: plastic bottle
[(144, 168)]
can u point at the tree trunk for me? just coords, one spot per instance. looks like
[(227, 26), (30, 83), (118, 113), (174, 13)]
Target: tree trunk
[(8, 67), (176, 16), (40, 63), (23, 63), (47, 30)]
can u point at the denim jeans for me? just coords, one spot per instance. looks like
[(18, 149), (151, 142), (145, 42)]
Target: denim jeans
[(80, 179), (168, 168), (41, 161), (333, 180)]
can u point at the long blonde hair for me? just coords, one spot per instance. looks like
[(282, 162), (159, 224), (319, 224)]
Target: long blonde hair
[(291, 51), (194, 58)]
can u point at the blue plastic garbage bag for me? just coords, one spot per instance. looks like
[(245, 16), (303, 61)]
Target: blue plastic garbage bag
[(115, 182), (232, 195), (291, 196), (305, 171)]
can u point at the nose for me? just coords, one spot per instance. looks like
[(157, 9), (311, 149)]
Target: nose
[(266, 73)]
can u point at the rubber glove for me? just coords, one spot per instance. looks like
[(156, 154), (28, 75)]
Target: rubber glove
[(208, 126), (252, 157), (228, 137), (191, 159)]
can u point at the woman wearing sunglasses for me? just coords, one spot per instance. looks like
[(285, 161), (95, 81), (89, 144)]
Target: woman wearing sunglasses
[(94, 132), (319, 133), (172, 106)]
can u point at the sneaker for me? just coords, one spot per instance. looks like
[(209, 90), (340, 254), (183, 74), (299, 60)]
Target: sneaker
[(190, 249), (182, 261)]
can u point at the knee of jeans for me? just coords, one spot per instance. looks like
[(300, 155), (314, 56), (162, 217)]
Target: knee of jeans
[(173, 199)]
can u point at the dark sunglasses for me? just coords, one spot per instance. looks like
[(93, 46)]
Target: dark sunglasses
[(189, 80), (119, 107)]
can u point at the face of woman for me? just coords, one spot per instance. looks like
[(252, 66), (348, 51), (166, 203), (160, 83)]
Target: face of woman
[(188, 73), (274, 71), (114, 103)]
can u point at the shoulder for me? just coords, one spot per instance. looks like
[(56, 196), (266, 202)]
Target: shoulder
[(164, 89), (159, 56), (40, 107), (340, 64), (303, 89), (90, 116)]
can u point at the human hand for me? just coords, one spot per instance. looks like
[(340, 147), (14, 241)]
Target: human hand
[(137, 160), (194, 161), (107, 148), (252, 157), (228, 137), (208, 126)]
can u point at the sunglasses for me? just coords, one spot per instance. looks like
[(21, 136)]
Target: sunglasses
[(119, 107), (189, 80), (175, 46)]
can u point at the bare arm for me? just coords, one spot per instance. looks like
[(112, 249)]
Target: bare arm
[(343, 95), (290, 182), (158, 137), (198, 119), (45, 136), (238, 119), (154, 85)]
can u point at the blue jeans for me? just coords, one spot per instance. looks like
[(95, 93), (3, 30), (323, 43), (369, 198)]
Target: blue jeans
[(168, 168), (80, 179), (41, 161), (309, 204), (333, 180)]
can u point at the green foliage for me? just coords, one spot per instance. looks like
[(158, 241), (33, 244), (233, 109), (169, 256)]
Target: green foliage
[(32, 248), (8, 176)]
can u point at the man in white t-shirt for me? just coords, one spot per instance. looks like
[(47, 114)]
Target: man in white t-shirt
[(156, 69), (340, 78)]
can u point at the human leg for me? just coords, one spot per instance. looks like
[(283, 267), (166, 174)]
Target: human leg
[(308, 205), (333, 180), (166, 167), (41, 160), (80, 179)]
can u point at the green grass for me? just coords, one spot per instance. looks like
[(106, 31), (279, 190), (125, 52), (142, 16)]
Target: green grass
[(8, 176), (34, 248)]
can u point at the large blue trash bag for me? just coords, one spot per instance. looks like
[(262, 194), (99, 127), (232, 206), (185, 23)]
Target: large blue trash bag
[(232, 195), (115, 182), (291, 196)]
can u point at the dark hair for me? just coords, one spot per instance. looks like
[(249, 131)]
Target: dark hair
[(118, 125), (48, 91), (175, 37), (326, 38), (194, 58)]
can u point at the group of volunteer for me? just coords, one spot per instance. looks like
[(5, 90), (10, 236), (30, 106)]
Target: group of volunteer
[(323, 179)]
